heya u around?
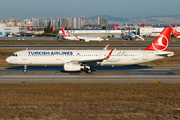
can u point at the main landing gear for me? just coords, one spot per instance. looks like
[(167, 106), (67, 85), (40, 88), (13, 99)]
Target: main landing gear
[(89, 70), (25, 69)]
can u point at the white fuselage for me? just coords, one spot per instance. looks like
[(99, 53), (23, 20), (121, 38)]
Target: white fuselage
[(60, 57), (87, 39), (70, 38), (83, 38)]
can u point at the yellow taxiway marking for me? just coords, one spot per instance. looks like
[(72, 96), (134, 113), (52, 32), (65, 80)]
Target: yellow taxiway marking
[(155, 81)]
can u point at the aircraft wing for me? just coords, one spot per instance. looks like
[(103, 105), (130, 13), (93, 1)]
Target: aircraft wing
[(58, 35), (50, 33), (94, 61), (139, 37)]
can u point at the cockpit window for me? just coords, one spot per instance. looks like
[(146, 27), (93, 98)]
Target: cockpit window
[(14, 55)]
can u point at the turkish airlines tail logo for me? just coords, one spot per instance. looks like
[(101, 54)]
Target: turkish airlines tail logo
[(162, 41), (115, 27), (30, 28), (65, 33)]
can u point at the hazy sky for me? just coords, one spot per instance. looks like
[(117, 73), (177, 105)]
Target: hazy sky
[(26, 9)]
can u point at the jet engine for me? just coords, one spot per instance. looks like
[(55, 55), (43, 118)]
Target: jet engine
[(86, 40), (72, 66)]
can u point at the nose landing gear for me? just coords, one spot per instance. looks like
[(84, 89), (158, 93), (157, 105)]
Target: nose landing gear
[(25, 69)]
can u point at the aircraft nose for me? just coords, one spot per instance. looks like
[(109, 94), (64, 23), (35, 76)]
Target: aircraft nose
[(7, 59)]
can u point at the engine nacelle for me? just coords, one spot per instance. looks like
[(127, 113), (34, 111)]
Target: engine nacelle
[(72, 66), (86, 40)]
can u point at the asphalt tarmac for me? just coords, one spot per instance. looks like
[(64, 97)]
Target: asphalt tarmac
[(58, 39), (103, 74)]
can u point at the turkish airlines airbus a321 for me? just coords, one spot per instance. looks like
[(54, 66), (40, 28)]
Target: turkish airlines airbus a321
[(76, 60), (67, 36)]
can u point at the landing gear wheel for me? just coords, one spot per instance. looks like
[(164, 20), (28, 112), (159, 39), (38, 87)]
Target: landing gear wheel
[(89, 71), (24, 70)]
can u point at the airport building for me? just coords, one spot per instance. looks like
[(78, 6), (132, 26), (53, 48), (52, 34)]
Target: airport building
[(4, 30), (149, 31)]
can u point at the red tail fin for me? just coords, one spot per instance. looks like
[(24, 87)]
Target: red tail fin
[(115, 27), (64, 33), (143, 25), (174, 32), (30, 28), (162, 41), (176, 25), (54, 28)]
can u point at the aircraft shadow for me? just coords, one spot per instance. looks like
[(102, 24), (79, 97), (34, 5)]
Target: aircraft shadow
[(61, 69)]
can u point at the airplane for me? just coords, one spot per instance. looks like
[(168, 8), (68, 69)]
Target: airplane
[(125, 26), (67, 36), (26, 32), (122, 27), (174, 32), (77, 60), (115, 27), (131, 36)]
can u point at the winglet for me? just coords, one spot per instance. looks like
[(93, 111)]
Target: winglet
[(108, 56), (77, 37), (105, 48)]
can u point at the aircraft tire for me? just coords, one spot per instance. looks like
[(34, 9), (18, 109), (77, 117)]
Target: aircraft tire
[(89, 71), (24, 70)]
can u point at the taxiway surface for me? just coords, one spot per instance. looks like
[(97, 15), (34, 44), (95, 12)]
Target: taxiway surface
[(65, 47), (104, 74)]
